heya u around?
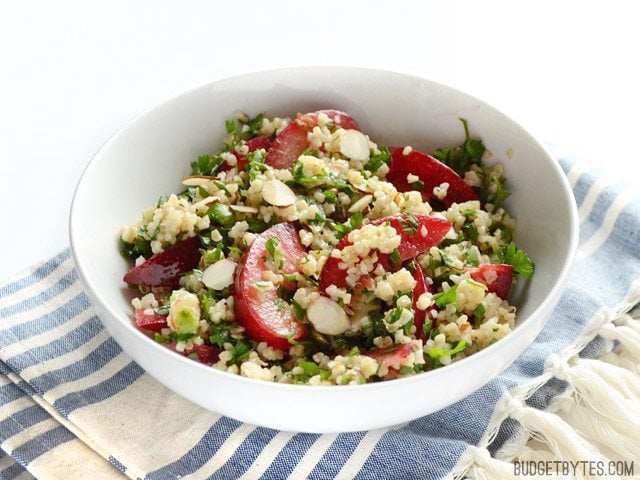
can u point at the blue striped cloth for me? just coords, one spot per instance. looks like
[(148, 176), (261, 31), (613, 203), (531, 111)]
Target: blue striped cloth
[(73, 405)]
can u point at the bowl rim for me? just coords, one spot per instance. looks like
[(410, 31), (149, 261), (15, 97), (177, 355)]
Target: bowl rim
[(549, 301)]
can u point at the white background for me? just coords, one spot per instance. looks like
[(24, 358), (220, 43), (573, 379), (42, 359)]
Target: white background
[(71, 73)]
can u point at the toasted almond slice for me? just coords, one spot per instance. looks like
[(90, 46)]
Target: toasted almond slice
[(354, 145), (197, 180), (219, 275), (327, 316), (278, 194), (205, 202), (361, 204), (243, 209)]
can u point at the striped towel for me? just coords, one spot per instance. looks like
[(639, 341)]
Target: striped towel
[(73, 405)]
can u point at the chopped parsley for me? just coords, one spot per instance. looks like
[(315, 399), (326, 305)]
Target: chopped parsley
[(220, 333), (255, 124), (461, 158), (377, 160), (212, 256), (522, 264), (273, 248), (230, 126), (298, 311), (221, 214), (310, 369), (241, 351), (435, 354), (255, 164), (410, 224), (478, 315), (160, 339), (206, 165), (139, 247), (445, 298), (498, 197), (344, 228)]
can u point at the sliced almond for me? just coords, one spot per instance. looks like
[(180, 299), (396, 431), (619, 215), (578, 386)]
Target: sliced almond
[(278, 193), (219, 275), (354, 145), (243, 209), (361, 204), (327, 316), (205, 202), (197, 181)]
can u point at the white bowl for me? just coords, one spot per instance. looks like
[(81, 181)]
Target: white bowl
[(147, 157)]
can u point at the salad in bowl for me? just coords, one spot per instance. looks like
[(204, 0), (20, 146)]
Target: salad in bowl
[(303, 252)]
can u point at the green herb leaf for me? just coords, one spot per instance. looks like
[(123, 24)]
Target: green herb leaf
[(522, 264), (472, 257), (445, 298), (330, 197), (377, 160), (139, 247), (213, 256), (470, 232), (160, 339), (230, 125), (298, 311), (206, 165), (255, 124), (181, 337), (241, 351), (478, 314), (437, 353), (220, 334), (255, 164), (273, 248), (427, 327), (344, 228), (461, 158), (410, 224), (221, 214)]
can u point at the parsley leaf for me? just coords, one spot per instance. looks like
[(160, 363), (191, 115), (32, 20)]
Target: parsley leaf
[(435, 354), (376, 161), (344, 228), (206, 165), (478, 314), (230, 125), (445, 298), (139, 247), (273, 247), (255, 124), (486, 193), (220, 334), (410, 224), (221, 214), (461, 158), (298, 311), (522, 264)]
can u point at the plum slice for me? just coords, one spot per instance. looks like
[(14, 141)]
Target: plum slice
[(164, 268), (418, 234), (266, 317), (431, 172)]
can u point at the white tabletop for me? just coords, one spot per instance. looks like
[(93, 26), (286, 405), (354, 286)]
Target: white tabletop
[(74, 72)]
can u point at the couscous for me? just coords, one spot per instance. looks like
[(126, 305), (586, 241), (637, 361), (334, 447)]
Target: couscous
[(305, 253)]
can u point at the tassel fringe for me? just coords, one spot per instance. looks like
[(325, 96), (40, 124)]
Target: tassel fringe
[(596, 418)]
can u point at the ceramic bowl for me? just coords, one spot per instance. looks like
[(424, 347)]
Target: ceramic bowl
[(148, 157)]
